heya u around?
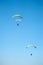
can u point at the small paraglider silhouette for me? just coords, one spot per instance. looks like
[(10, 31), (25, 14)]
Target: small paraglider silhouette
[(30, 47), (18, 18)]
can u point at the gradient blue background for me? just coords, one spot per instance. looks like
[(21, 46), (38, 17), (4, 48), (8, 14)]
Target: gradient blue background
[(13, 39)]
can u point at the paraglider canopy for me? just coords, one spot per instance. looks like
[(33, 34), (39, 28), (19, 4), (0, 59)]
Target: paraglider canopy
[(31, 46)]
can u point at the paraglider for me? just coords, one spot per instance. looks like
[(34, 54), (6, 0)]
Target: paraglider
[(18, 18), (31, 46)]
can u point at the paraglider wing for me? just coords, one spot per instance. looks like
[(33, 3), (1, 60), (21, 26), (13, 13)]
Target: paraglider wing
[(31, 46), (17, 15)]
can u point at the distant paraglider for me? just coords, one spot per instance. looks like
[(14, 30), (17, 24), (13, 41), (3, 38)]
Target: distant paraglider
[(31, 46), (18, 18)]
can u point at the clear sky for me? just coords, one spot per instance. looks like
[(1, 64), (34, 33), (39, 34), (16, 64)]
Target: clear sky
[(13, 39)]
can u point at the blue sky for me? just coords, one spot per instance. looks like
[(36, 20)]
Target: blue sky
[(13, 39)]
